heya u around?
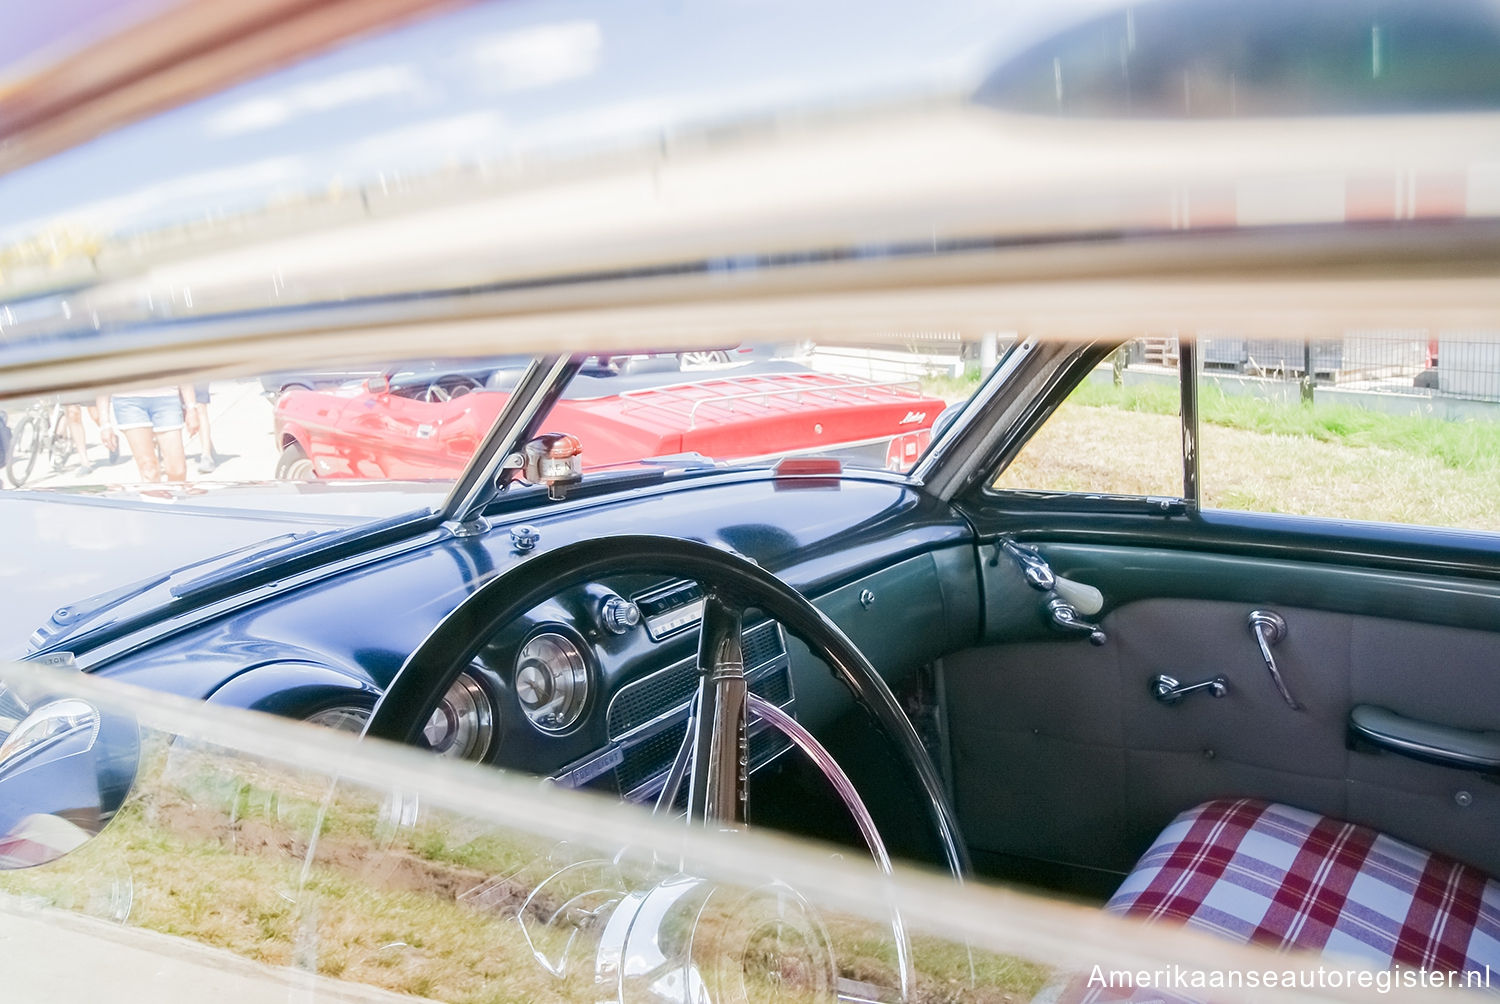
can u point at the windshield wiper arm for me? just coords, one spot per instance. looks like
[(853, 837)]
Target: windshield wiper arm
[(65, 619), (287, 554), (299, 548)]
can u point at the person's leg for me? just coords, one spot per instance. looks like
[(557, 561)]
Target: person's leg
[(132, 417), (143, 449), (205, 435), (172, 454), (103, 415), (196, 399), (80, 440), (167, 420)]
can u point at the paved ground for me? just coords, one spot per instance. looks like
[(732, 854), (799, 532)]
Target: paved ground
[(240, 425), (53, 955)]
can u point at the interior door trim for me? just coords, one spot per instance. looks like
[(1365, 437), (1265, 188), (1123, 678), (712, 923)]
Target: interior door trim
[(1100, 522)]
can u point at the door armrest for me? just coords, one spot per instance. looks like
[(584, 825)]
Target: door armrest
[(1443, 745)]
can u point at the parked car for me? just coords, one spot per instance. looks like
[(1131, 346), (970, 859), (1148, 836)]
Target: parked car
[(1212, 664), (327, 378), (428, 423)]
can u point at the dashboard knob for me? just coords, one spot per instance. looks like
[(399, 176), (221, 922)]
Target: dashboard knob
[(619, 615)]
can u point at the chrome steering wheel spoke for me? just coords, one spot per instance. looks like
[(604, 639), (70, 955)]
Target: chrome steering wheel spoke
[(720, 760)]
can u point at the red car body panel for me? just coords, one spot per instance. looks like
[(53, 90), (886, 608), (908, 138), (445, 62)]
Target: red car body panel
[(360, 433)]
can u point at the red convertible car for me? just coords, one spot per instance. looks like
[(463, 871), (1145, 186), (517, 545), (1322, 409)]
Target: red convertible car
[(428, 423)]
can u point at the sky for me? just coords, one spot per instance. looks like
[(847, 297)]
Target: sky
[(500, 80)]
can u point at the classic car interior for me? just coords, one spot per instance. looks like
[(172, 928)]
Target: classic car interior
[(1072, 689), (1081, 668)]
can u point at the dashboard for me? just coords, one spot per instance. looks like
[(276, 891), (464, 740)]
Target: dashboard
[(590, 688)]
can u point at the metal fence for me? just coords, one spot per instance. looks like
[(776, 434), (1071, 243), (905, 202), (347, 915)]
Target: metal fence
[(1456, 364)]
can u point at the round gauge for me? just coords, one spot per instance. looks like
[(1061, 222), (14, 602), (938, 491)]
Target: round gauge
[(344, 718), (552, 681), (462, 726)]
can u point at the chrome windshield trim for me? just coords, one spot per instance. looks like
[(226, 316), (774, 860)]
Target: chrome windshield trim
[(533, 397), (939, 448)]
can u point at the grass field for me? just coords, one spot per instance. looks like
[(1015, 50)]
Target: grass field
[(219, 849), (1330, 460)]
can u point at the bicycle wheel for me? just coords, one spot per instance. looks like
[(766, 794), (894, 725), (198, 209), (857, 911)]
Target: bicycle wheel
[(23, 451), (60, 446)]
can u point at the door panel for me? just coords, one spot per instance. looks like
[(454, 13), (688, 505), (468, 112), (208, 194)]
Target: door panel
[(1062, 752)]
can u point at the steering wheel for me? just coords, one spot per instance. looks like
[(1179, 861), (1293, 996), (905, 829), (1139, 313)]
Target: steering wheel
[(731, 584), (449, 387)]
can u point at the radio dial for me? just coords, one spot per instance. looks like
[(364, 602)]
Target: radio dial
[(620, 615)]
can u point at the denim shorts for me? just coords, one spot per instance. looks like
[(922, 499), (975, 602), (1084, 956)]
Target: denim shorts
[(162, 412)]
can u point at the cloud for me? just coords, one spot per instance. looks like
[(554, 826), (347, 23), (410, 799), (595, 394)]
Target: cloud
[(540, 56), (322, 95), (426, 142)]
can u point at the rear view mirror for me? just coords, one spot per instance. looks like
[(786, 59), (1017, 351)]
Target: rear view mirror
[(65, 770)]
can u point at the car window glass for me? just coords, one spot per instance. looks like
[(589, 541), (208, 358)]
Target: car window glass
[(351, 870), (1190, 59), (169, 484), (1402, 426), (1110, 436)]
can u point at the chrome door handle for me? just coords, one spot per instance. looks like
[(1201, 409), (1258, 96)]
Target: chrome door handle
[(1168, 690), (1269, 628)]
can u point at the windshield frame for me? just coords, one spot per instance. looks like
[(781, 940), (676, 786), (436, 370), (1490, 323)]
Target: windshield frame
[(480, 481)]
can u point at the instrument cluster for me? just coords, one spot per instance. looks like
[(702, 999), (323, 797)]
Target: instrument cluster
[(594, 687)]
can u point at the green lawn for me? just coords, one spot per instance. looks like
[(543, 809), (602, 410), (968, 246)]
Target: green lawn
[(1330, 459)]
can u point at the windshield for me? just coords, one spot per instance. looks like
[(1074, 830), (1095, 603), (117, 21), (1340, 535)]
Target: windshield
[(757, 404), (181, 481), (190, 484)]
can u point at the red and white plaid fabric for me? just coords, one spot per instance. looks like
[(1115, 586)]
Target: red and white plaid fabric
[(1253, 871)]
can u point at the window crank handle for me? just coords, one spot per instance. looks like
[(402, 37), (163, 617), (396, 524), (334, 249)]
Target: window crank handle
[(1066, 617), (1168, 690)]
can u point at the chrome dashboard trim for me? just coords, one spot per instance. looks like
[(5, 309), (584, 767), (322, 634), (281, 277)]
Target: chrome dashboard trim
[(648, 728)]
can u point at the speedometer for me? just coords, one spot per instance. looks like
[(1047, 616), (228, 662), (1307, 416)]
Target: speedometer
[(552, 681)]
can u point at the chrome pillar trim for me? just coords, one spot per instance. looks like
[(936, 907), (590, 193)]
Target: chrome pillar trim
[(1188, 372), (1269, 628), (999, 377), (533, 397), (844, 788), (720, 761)]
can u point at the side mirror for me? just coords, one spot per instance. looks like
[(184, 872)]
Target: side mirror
[(65, 770), (379, 385)]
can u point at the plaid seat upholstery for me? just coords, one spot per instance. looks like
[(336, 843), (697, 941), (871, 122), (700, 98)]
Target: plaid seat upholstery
[(1260, 872), (1253, 871)]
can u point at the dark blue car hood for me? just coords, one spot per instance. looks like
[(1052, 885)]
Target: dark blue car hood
[(62, 548)]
